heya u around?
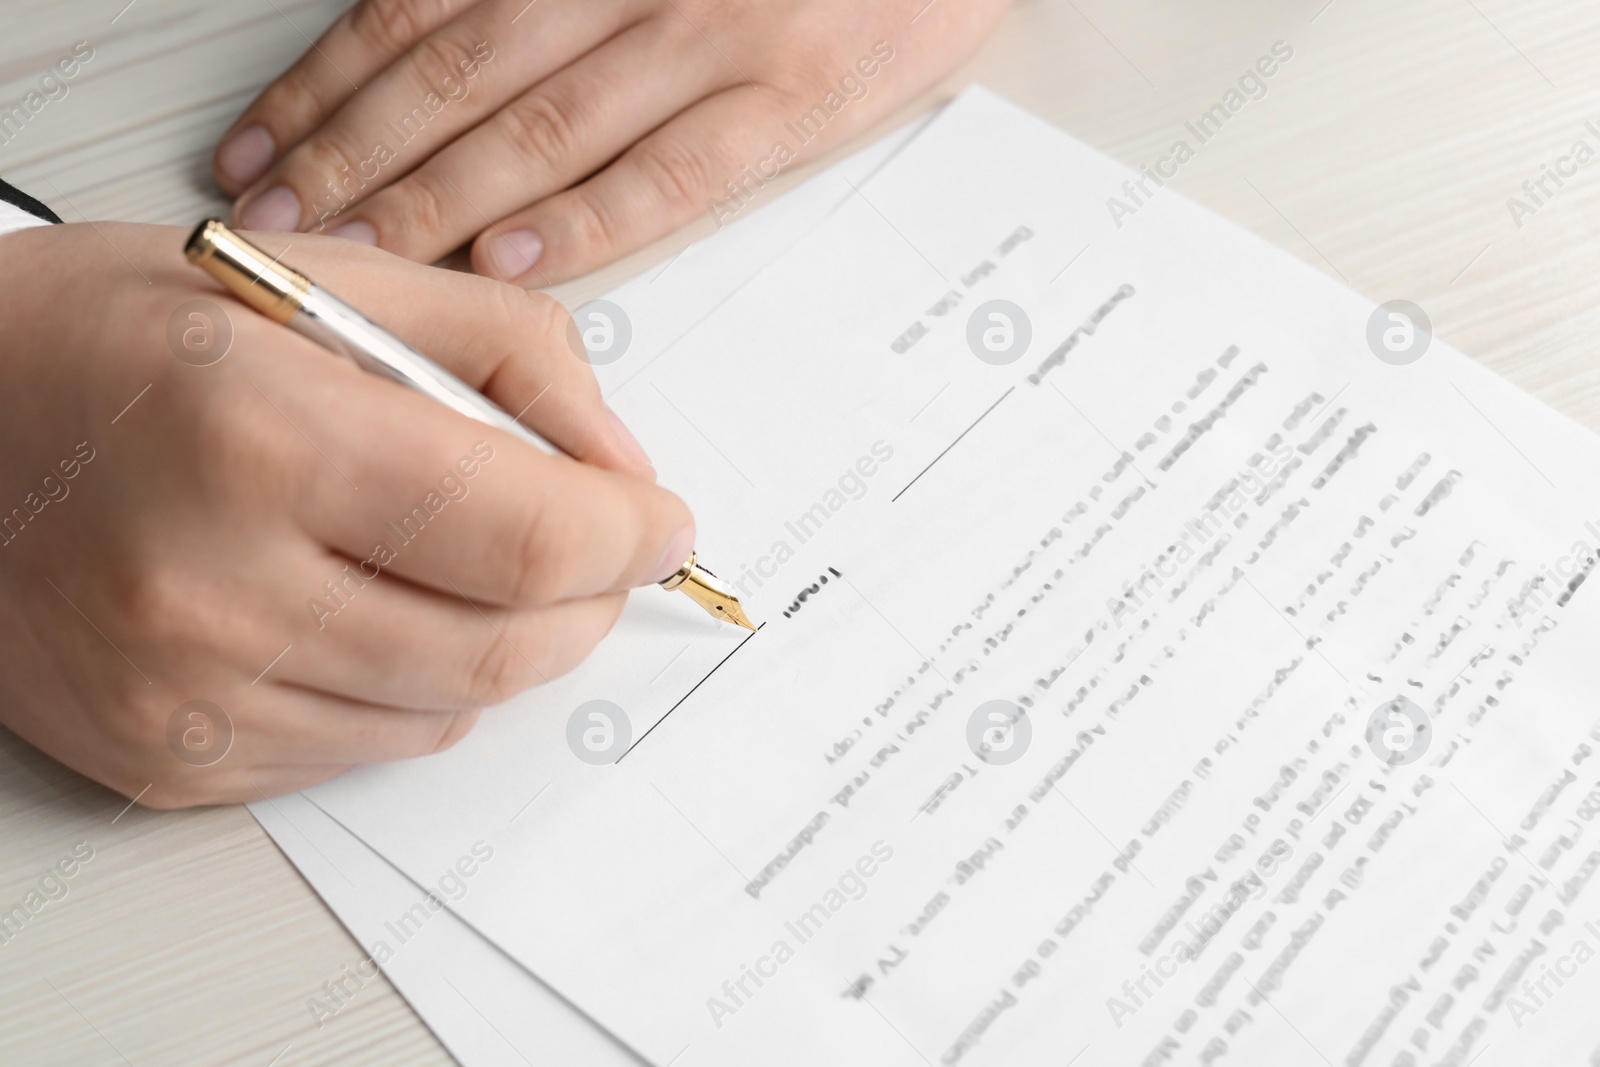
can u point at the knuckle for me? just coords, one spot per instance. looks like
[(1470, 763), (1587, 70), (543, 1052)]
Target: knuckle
[(499, 674), (548, 549), (682, 172), (435, 59), (155, 601), (513, 314), (420, 206), (294, 95), (454, 729), (521, 334), (393, 25), (500, 329), (326, 157), (590, 222), (540, 126), (577, 642), (545, 317), (538, 315)]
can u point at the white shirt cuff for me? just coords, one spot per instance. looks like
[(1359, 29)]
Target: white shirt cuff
[(14, 218)]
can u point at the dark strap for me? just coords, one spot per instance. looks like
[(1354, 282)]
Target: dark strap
[(18, 198)]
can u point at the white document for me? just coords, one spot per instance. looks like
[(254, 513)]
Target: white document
[(1210, 551), (484, 1007)]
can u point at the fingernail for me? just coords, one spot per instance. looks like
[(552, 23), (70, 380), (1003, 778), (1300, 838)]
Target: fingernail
[(277, 209), (679, 549), (513, 253), (246, 155), (630, 444), (357, 231)]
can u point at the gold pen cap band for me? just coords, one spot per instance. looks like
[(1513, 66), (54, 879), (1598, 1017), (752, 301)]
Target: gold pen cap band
[(247, 272), (709, 591)]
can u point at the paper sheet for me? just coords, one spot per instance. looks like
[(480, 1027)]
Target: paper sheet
[(1194, 666), (483, 1007)]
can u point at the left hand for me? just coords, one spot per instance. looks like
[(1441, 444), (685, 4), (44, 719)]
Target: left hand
[(563, 134)]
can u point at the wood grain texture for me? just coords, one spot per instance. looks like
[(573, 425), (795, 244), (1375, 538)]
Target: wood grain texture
[(1383, 153)]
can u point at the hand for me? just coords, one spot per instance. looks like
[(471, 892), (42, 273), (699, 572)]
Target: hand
[(419, 125), (346, 568)]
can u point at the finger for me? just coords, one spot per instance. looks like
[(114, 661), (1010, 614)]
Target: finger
[(447, 83), (467, 509), (515, 347), (565, 128), (735, 140), (383, 640), (291, 725), (362, 42)]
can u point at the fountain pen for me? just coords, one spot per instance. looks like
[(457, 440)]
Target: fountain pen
[(291, 299)]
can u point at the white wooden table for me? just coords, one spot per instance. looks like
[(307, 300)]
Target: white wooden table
[(1383, 153)]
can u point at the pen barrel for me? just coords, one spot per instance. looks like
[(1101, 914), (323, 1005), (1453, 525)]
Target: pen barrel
[(289, 297), (337, 326)]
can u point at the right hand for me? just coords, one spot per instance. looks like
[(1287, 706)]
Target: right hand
[(208, 508)]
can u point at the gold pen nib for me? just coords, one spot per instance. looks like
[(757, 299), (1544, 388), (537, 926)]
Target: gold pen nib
[(707, 590)]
